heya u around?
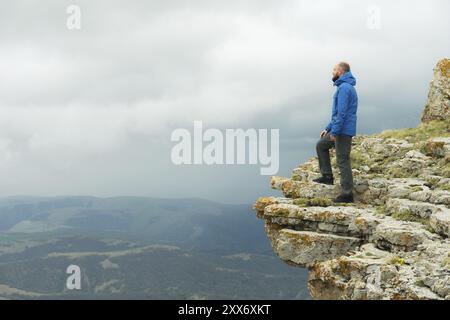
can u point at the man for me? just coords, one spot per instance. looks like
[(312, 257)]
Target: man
[(339, 133)]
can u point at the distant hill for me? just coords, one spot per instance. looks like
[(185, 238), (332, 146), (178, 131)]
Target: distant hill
[(132, 247)]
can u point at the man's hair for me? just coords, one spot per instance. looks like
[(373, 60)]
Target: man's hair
[(345, 66)]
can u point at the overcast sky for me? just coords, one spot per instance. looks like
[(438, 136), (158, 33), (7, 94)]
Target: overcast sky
[(91, 111)]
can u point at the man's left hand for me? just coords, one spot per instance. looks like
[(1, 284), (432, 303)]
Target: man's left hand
[(333, 138)]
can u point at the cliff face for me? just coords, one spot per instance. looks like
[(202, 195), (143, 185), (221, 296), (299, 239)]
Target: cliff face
[(393, 242), (438, 105)]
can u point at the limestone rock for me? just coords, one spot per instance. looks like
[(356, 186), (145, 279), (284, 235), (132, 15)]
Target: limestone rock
[(304, 248), (371, 273), (437, 147), (440, 222), (418, 208), (338, 220), (438, 105), (263, 202), (395, 235), (300, 189)]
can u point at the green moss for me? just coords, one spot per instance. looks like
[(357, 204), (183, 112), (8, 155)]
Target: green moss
[(422, 132), (432, 183), (445, 170), (358, 159), (446, 262), (301, 202), (434, 149), (381, 166), (407, 215), (443, 187), (397, 172), (314, 202), (343, 204), (381, 210), (319, 202), (420, 283), (430, 229), (282, 211)]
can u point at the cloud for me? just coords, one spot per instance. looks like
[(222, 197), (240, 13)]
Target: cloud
[(138, 69)]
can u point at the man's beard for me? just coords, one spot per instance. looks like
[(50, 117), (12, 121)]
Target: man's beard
[(335, 77)]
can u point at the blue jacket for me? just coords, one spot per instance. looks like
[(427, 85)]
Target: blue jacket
[(345, 105)]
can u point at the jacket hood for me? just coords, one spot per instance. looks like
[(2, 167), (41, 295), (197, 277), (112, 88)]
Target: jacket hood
[(346, 78)]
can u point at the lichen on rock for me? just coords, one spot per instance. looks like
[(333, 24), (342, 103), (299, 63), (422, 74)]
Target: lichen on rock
[(438, 105), (393, 242)]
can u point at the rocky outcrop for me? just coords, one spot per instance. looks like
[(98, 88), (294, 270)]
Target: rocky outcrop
[(438, 107), (393, 242)]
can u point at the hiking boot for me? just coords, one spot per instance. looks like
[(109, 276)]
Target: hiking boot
[(327, 179), (344, 198)]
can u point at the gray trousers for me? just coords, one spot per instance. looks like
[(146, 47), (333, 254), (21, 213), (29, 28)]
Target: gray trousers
[(343, 147)]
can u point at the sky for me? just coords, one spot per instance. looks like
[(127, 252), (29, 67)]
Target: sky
[(90, 111)]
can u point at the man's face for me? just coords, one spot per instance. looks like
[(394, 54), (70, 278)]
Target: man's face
[(337, 72)]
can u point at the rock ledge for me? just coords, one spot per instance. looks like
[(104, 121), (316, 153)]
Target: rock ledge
[(393, 242)]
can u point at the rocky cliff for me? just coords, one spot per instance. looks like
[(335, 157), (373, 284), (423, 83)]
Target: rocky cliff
[(393, 242), (438, 105)]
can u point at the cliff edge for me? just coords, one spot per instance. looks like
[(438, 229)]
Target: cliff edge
[(393, 242)]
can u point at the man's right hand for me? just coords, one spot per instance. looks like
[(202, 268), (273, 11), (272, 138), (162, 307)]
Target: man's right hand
[(323, 133)]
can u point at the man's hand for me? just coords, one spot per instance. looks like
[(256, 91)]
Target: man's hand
[(323, 133), (332, 138)]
